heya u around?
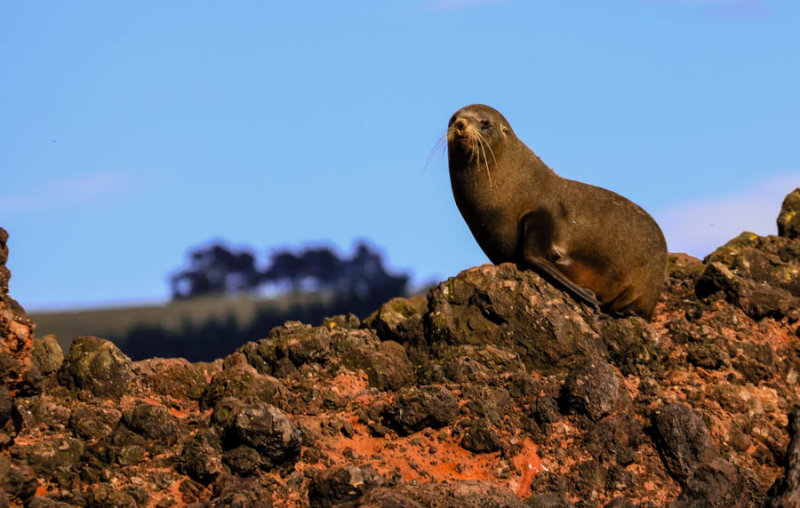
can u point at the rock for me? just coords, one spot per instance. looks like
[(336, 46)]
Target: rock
[(53, 458), (47, 354), (342, 321), (756, 362), (17, 481), (201, 457), (174, 377), (241, 381), (545, 410), (288, 347), (241, 493), (3, 249), (615, 437), (47, 502), (480, 365), (592, 389), (757, 299), (683, 440), (491, 403), (105, 496), (417, 408), (682, 266), (785, 492), (153, 422), (225, 411), (789, 218), (480, 437), (708, 355), (770, 260), (386, 363), (443, 495), (96, 365), (388, 367), (547, 500), (342, 484), (40, 412), (266, 429), (587, 478), (399, 319), (94, 422), (714, 484), (514, 310), (242, 460), (6, 405), (17, 371), (621, 502), (632, 345), (294, 347)]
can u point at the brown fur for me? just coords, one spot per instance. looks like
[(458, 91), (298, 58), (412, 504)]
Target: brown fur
[(580, 236)]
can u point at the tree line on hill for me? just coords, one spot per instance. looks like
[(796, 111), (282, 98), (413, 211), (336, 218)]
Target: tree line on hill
[(217, 269)]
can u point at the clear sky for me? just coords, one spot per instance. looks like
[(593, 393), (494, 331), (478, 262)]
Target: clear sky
[(131, 131)]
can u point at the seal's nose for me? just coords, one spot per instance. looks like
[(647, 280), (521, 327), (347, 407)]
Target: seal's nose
[(461, 125)]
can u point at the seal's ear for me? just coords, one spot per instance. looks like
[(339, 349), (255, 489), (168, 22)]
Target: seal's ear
[(505, 129)]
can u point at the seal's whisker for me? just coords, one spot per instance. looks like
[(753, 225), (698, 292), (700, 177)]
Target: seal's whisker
[(473, 149), (489, 146), (440, 146), (481, 142)]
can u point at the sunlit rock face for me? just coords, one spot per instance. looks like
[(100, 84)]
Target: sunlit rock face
[(17, 372)]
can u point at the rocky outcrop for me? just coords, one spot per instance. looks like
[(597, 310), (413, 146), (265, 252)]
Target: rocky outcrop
[(786, 490), (17, 372), (496, 389), (760, 275), (789, 218)]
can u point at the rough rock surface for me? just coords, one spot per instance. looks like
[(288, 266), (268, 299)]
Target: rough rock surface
[(17, 370), (496, 390), (789, 219)]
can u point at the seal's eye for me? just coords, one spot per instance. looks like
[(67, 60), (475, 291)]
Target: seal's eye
[(485, 124)]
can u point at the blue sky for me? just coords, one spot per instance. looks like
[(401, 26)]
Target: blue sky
[(131, 131)]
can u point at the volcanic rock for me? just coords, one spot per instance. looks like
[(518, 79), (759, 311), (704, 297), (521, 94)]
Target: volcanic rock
[(684, 440), (789, 218), (785, 492), (96, 365), (495, 389), (593, 389), (418, 408)]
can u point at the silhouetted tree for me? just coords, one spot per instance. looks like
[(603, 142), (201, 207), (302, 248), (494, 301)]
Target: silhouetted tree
[(365, 278), (216, 269), (321, 265), (361, 277), (285, 267)]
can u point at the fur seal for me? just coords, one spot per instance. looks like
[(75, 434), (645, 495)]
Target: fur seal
[(599, 246)]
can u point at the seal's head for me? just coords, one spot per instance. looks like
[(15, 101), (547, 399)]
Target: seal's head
[(476, 134)]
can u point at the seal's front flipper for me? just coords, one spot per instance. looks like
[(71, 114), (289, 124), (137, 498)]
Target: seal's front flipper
[(550, 272), (536, 247)]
